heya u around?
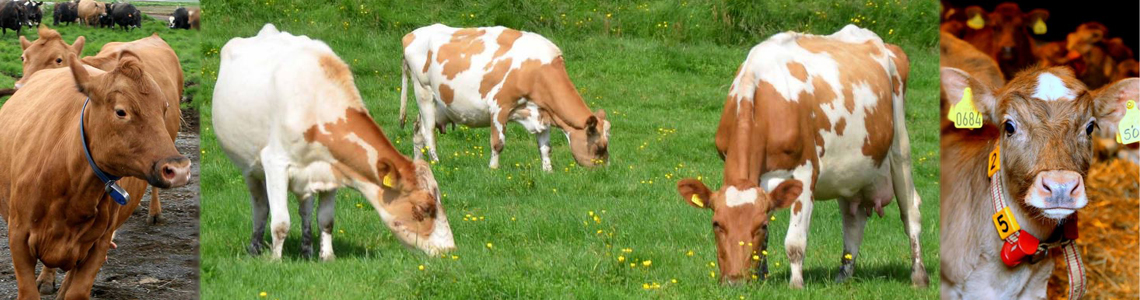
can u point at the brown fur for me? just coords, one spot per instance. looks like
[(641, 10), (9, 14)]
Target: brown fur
[(47, 51), (455, 56)]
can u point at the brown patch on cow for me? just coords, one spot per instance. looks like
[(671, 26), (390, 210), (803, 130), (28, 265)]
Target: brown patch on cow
[(338, 72), (518, 83), (427, 64), (840, 126), (495, 76), (455, 55), (446, 93), (796, 208), (408, 39), (506, 40), (797, 70), (880, 130), (353, 155)]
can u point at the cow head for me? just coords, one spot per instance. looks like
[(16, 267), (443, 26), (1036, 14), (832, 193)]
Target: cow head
[(415, 213), (1046, 119), (125, 124), (1011, 29), (1080, 42), (49, 51), (590, 145), (740, 219), (170, 22)]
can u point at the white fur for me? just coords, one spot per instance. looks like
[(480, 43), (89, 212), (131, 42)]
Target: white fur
[(1051, 88), (734, 197)]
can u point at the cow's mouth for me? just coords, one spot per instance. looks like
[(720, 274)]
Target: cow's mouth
[(1057, 212)]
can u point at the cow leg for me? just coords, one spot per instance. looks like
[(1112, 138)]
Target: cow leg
[(277, 187), (543, 138), (78, 282), (46, 281), (325, 214), (854, 220), (424, 97), (260, 208), (155, 211), (909, 202), (23, 262), (498, 137), (418, 140), (795, 243), (306, 211)]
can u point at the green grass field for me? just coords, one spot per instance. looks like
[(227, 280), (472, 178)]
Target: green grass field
[(661, 70), (184, 42)]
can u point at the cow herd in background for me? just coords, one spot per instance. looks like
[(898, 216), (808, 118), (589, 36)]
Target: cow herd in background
[(1009, 36), (16, 14)]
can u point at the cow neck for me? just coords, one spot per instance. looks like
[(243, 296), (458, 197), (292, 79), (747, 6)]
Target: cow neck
[(745, 157), (403, 165), (554, 91), (108, 181)]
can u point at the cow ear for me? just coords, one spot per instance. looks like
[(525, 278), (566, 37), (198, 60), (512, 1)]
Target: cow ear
[(786, 193), (389, 175), (1037, 14), (1110, 101), (601, 114), (77, 46), (83, 81), (24, 43), (592, 125), (695, 193), (954, 84)]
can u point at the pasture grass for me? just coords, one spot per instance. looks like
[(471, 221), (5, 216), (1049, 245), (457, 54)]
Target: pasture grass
[(529, 234), (184, 42)]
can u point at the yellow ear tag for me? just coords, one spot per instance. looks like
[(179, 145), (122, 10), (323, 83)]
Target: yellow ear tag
[(1129, 127), (976, 22), (1039, 27), (1005, 223), (995, 162), (388, 181), (964, 114), (697, 200)]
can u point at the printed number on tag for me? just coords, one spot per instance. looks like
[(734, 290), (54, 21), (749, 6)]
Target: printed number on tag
[(965, 114), (1129, 126), (995, 162), (1005, 223)]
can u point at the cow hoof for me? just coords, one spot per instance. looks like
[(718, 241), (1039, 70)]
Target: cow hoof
[(919, 279), (47, 288), (307, 252), (328, 257), (796, 283), (254, 249), (846, 271), (155, 220)]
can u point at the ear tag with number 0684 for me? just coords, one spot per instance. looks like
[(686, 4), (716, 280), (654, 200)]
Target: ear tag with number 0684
[(965, 114), (1129, 127)]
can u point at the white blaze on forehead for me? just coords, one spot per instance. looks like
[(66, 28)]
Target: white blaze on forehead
[(734, 197), (1050, 88)]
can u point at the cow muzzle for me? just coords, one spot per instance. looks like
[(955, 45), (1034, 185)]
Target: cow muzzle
[(1058, 193), (170, 172)]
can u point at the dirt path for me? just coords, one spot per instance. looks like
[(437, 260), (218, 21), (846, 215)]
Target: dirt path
[(152, 262)]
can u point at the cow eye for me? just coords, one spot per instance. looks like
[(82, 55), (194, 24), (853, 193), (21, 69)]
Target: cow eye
[(1009, 129), (1090, 127), (121, 113), (58, 60)]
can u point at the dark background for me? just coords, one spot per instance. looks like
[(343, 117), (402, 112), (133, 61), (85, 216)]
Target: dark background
[(1121, 17)]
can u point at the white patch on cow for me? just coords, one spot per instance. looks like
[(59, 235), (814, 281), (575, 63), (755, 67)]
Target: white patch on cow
[(441, 238), (1050, 88), (373, 156), (734, 197), (326, 246), (856, 35)]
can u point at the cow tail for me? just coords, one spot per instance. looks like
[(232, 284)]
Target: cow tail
[(403, 93)]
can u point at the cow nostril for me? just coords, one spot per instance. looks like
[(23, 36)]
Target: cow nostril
[(167, 172)]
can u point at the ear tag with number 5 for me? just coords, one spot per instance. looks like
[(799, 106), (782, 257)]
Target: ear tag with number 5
[(1128, 131), (965, 114)]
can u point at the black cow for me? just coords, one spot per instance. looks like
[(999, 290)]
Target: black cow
[(106, 20), (125, 15), (12, 16), (65, 12), (180, 19), (35, 13)]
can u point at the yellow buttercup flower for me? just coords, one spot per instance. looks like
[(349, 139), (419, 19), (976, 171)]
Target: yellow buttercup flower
[(690, 253), (263, 294), (621, 258), (421, 267), (647, 263)]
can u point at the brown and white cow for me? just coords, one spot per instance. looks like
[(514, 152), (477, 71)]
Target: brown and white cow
[(1043, 120), (810, 118), (58, 212), (287, 113), (487, 76), (1006, 36)]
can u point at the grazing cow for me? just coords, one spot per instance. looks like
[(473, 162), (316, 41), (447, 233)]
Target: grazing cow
[(12, 16), (1006, 36), (287, 113), (35, 13), (180, 19), (56, 200), (1040, 124), (810, 118), (484, 77), (65, 12), (125, 15), (89, 12)]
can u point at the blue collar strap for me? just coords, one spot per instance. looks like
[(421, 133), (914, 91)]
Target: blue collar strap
[(111, 186)]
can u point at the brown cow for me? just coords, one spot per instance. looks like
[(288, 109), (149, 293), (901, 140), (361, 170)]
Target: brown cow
[(89, 12), (1006, 36), (1043, 120), (48, 51), (956, 53), (58, 212)]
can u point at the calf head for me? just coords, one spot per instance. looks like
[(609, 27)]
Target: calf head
[(416, 215), (1046, 119), (49, 51), (125, 124), (1011, 30), (740, 219), (590, 145)]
